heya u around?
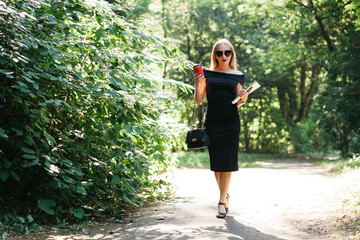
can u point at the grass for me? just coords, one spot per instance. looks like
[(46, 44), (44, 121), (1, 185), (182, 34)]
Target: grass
[(200, 159), (339, 165), (193, 159)]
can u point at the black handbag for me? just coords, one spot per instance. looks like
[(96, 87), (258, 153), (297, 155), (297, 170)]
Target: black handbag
[(197, 138)]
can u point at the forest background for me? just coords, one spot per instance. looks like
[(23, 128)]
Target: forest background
[(96, 96)]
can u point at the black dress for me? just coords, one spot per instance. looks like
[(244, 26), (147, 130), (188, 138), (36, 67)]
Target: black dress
[(222, 120)]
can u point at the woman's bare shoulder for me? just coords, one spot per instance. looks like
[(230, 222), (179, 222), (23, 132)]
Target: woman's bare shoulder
[(235, 72)]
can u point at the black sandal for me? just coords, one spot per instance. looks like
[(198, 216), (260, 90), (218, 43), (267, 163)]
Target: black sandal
[(221, 214)]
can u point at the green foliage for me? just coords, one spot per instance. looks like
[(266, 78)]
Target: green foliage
[(24, 225), (305, 136), (83, 124), (47, 205), (338, 104), (354, 162), (354, 9)]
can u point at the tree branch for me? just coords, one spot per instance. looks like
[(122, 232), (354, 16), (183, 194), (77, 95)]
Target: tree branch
[(322, 28), (323, 32), (301, 4)]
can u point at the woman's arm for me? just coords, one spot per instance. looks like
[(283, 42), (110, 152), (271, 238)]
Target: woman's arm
[(242, 93), (200, 88)]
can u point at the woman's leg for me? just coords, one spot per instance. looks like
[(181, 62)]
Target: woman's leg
[(217, 177), (223, 181)]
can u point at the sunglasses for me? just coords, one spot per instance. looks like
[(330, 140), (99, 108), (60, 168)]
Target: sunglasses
[(221, 53)]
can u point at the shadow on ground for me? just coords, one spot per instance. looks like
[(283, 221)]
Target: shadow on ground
[(233, 230)]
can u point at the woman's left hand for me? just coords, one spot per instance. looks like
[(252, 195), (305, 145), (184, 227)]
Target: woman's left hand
[(244, 96)]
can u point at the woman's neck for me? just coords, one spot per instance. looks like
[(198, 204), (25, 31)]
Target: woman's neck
[(223, 68)]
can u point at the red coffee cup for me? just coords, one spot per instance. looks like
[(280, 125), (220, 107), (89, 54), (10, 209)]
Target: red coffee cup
[(198, 69)]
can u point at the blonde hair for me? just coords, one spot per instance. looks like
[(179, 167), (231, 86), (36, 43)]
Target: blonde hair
[(214, 63)]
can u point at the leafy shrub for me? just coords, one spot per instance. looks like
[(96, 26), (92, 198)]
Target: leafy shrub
[(80, 129), (303, 136)]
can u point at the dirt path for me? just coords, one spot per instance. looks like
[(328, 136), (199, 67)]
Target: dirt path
[(275, 202)]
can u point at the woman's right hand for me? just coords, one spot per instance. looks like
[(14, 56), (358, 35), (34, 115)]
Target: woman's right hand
[(198, 78)]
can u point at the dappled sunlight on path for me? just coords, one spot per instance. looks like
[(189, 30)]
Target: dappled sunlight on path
[(266, 203)]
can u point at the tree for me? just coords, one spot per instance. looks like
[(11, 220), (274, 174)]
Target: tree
[(338, 102)]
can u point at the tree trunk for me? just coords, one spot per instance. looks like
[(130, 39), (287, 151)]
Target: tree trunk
[(293, 104), (282, 101), (163, 14), (344, 141), (302, 85), (260, 127), (307, 96)]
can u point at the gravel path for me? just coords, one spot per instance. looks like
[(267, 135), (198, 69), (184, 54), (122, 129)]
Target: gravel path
[(275, 202)]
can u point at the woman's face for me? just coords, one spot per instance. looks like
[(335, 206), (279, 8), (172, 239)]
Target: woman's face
[(223, 54)]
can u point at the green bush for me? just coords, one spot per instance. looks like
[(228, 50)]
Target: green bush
[(80, 129), (303, 136)]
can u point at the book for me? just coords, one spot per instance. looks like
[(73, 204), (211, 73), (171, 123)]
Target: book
[(254, 85)]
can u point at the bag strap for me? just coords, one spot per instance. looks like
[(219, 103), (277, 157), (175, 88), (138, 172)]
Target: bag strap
[(203, 113)]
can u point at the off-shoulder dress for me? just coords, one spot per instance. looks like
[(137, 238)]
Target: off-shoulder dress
[(222, 120)]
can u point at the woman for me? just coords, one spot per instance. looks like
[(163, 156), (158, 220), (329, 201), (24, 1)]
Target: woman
[(221, 85)]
